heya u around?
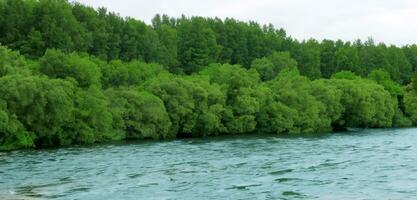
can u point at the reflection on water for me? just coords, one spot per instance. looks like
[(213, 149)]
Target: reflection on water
[(368, 164)]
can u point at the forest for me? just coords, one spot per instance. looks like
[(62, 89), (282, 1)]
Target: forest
[(71, 74)]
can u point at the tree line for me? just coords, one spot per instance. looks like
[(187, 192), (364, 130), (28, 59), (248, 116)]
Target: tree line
[(187, 44), (70, 74)]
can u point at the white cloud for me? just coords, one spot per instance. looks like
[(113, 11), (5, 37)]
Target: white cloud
[(386, 20)]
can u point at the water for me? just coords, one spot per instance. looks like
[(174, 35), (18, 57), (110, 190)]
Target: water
[(370, 164)]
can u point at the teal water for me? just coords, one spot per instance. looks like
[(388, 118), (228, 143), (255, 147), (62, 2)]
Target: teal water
[(369, 164)]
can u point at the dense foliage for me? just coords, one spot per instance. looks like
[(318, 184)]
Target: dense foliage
[(70, 74)]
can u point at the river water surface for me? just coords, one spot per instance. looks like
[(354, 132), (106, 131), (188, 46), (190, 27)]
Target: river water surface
[(368, 164)]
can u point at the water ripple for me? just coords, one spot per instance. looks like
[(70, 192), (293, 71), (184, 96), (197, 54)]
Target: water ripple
[(366, 164)]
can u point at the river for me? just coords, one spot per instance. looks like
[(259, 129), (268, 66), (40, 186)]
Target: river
[(365, 164)]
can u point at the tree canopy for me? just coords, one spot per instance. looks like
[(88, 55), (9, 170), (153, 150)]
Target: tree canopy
[(72, 74)]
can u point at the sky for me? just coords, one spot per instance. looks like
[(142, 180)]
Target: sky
[(389, 21)]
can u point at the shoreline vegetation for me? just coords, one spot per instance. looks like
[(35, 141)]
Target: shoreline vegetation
[(71, 74)]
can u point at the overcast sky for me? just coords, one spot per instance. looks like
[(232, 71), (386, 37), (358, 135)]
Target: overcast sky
[(389, 21)]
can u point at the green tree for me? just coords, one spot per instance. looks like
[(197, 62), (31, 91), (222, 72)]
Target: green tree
[(58, 26), (410, 104), (383, 78), (327, 58), (274, 116), (239, 85), (197, 46), (347, 59), (43, 106), (270, 66), (402, 69), (33, 46), (93, 118), (410, 52), (13, 134), (175, 93), (117, 73), (294, 91), (15, 22), (57, 64), (139, 114), (307, 55), (12, 63), (168, 56), (366, 103)]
